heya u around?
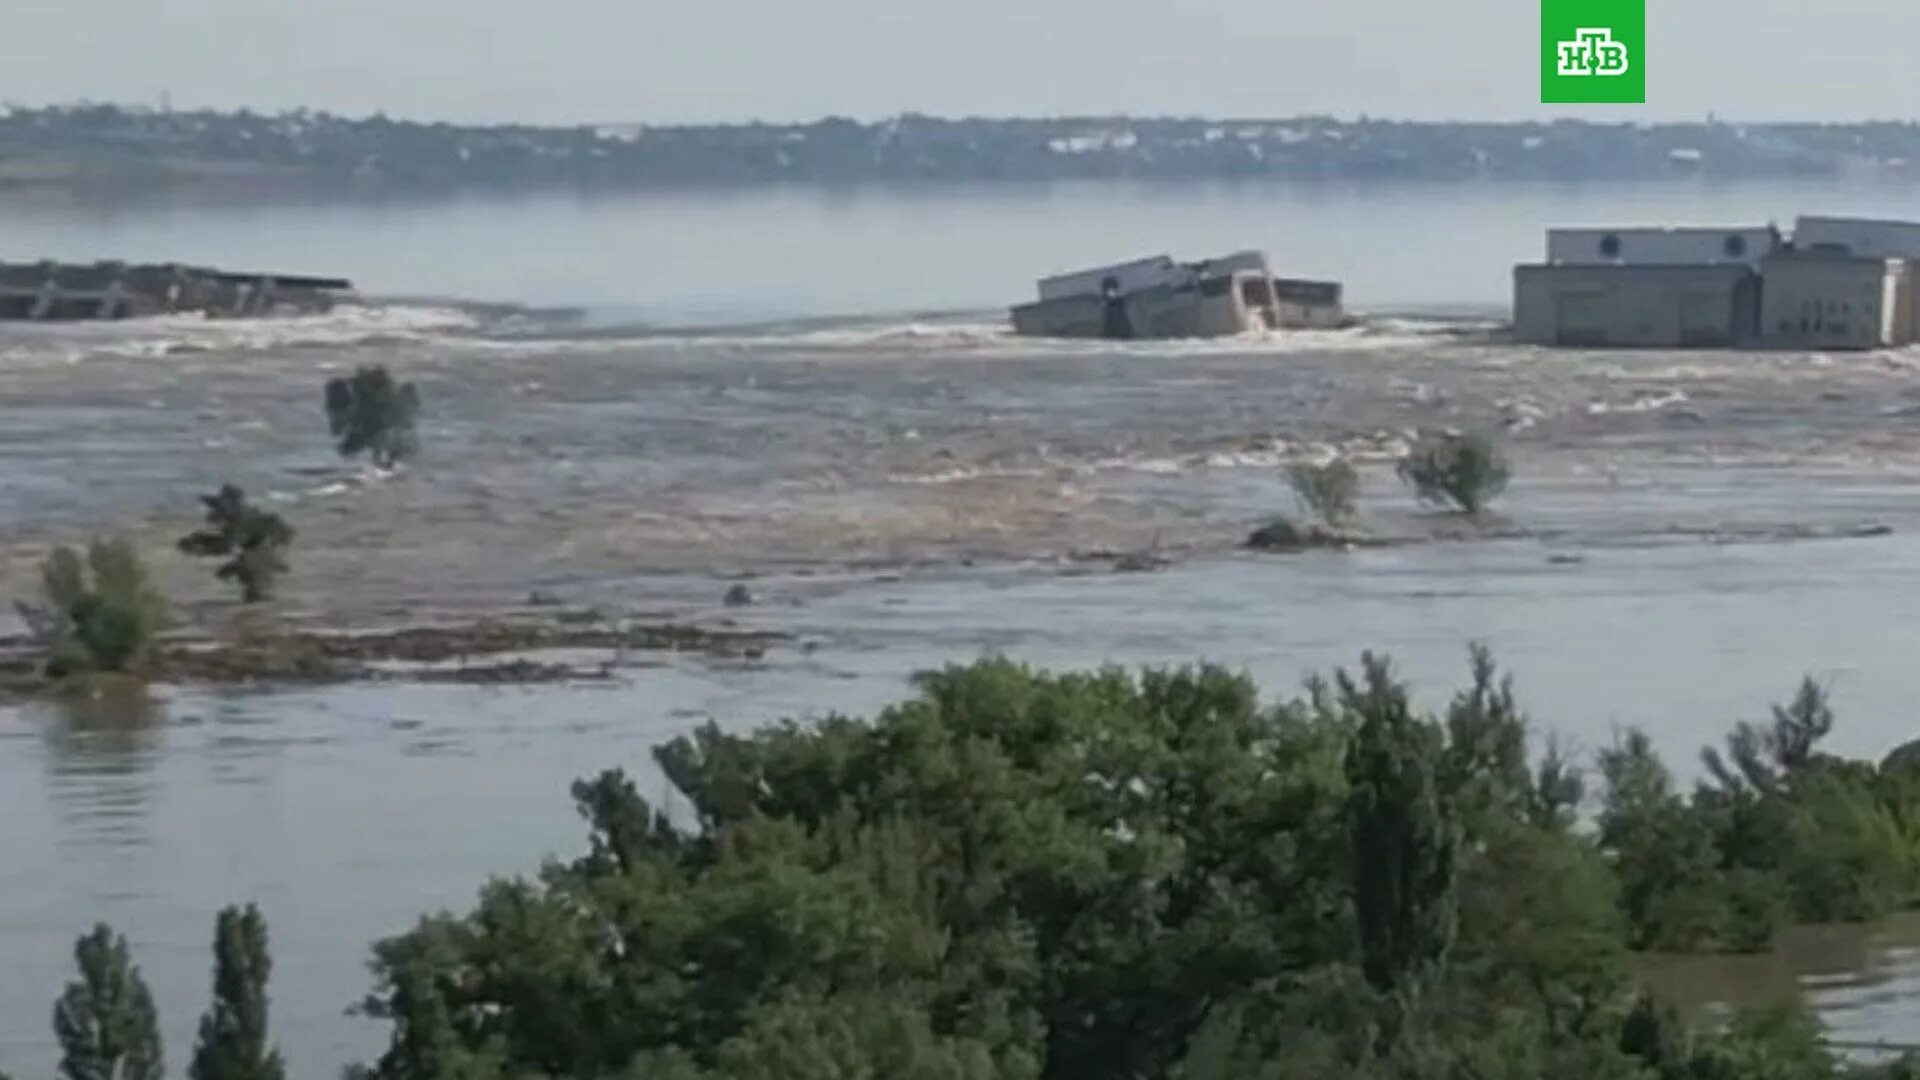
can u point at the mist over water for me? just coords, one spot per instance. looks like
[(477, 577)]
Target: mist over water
[(631, 400)]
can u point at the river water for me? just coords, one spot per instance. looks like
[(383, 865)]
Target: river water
[(634, 402)]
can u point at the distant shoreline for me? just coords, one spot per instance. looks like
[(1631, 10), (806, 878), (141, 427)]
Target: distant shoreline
[(119, 151)]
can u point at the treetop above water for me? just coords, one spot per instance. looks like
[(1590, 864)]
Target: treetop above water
[(1154, 874)]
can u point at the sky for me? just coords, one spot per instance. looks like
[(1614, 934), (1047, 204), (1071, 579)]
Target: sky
[(660, 61)]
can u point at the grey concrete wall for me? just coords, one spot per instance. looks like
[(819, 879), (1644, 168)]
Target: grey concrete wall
[(1154, 313), (1165, 313), (1070, 317), (1211, 311), (1817, 302), (1665, 306), (1296, 315), (1859, 236), (1648, 246), (1906, 320), (1137, 274)]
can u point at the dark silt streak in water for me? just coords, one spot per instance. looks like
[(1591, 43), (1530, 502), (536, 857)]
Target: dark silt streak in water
[(907, 490)]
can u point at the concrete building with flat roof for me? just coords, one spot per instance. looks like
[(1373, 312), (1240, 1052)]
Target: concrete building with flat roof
[(1835, 283)]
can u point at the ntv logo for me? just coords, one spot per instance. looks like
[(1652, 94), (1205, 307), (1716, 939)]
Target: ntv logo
[(1582, 39), (1592, 52)]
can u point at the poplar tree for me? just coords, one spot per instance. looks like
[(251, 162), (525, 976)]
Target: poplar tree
[(233, 1033), (105, 1021), (1405, 845)]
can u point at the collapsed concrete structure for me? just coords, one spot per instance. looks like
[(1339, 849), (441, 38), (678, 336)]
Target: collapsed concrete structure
[(1157, 297), (1834, 283), (113, 290)]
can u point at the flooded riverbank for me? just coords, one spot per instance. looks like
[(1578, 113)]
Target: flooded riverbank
[(349, 810), (1686, 535), (1860, 979)]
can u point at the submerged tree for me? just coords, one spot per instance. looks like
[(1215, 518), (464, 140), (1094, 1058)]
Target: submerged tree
[(1464, 471), (102, 613), (373, 412), (105, 1021), (233, 1033), (1327, 491), (251, 539)]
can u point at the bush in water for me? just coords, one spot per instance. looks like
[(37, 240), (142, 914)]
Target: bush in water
[(1328, 491), (1464, 471), (252, 541), (101, 613), (373, 412)]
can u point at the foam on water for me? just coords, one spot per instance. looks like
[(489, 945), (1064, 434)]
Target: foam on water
[(978, 334), (493, 329), (1257, 454), (1639, 403), (24, 343)]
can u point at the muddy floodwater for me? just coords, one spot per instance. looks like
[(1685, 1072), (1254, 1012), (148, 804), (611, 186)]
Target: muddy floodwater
[(1687, 534)]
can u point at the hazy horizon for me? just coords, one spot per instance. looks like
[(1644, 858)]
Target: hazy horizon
[(598, 61), (177, 106)]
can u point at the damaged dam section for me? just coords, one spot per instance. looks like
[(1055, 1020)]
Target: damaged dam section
[(53, 291)]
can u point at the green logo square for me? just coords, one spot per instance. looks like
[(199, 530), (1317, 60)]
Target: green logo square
[(1593, 51)]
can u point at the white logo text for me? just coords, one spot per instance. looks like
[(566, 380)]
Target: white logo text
[(1592, 52)]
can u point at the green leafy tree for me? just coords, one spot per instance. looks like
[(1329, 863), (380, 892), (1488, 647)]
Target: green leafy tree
[(1484, 763), (436, 1032), (1671, 886), (1845, 859), (233, 1042), (1767, 1044), (1036, 876), (1464, 471), (1835, 839), (1654, 1033), (1553, 799), (252, 540), (865, 1037), (105, 1021), (104, 612), (1762, 757), (1058, 872), (1541, 926), (1405, 844), (372, 412)]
